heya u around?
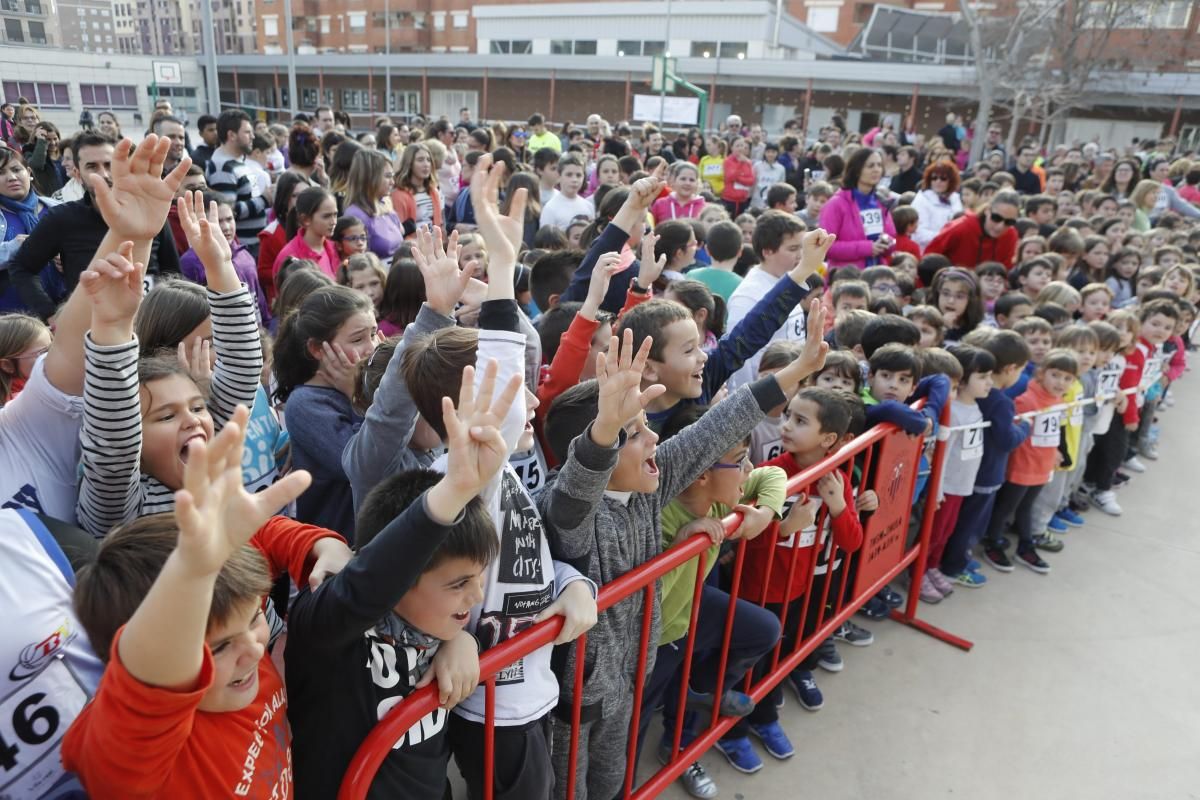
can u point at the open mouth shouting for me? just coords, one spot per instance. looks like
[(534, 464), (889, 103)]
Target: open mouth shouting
[(183, 451)]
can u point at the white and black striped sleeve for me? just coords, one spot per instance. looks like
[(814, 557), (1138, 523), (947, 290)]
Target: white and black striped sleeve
[(111, 437), (238, 348)]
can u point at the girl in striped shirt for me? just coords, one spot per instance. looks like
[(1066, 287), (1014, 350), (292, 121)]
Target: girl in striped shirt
[(139, 417)]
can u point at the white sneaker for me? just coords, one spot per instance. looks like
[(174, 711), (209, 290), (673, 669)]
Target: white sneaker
[(1134, 465), (1106, 502)]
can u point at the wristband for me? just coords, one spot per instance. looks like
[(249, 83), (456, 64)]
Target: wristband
[(637, 289)]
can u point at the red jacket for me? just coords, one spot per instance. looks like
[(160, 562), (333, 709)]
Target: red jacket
[(769, 548), (1135, 364), (966, 245), (905, 244), (739, 180)]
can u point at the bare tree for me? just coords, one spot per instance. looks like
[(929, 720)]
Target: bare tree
[(1039, 59)]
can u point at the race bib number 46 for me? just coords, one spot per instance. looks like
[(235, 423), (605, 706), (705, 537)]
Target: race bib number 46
[(33, 719)]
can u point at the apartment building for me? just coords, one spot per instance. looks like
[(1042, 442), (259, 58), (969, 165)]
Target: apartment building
[(28, 23), (87, 25)]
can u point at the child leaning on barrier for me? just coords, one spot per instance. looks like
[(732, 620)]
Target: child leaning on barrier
[(393, 618), (603, 513)]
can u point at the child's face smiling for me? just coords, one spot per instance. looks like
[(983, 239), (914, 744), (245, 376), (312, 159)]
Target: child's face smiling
[(441, 601), (636, 469), (238, 644), (681, 369), (1096, 306), (888, 385), (1056, 381)]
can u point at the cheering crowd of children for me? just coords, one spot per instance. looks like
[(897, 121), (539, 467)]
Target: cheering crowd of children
[(400, 397)]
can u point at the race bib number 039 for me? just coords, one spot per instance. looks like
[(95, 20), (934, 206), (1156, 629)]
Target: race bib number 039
[(872, 221), (33, 719)]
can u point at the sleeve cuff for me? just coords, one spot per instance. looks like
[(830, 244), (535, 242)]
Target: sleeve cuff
[(767, 393), (503, 315)]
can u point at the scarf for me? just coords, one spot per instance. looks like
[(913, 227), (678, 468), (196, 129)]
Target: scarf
[(397, 631), (24, 210)]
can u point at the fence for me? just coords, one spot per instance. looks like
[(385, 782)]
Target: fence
[(888, 461)]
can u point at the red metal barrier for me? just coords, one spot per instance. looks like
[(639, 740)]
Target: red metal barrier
[(888, 455)]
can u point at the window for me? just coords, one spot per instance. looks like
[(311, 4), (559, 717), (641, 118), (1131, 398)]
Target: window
[(585, 47), (704, 49), (99, 95), (459, 19), (823, 20), (270, 26), (13, 5), (43, 95), (405, 103), (439, 20), (33, 6), (733, 49), (12, 31), (522, 47), (449, 101), (358, 21), (560, 47), (248, 98), (37, 32), (1150, 14), (308, 98), (579, 47), (653, 48), (627, 47)]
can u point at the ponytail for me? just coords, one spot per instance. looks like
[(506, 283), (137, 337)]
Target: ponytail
[(307, 203), (316, 320), (609, 206)]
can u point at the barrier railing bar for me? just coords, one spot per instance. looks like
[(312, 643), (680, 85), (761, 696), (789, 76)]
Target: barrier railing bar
[(576, 707), (1028, 415), (727, 636), (639, 687), (688, 652), (489, 736)]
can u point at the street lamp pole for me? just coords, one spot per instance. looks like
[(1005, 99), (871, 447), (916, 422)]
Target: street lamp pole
[(662, 93), (387, 58)]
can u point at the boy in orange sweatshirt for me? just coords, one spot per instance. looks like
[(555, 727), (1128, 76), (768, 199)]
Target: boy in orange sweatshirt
[(1031, 465)]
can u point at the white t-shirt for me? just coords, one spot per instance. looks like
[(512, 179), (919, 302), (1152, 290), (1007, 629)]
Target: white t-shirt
[(754, 287), (766, 440), (49, 670), (39, 448), (560, 210)]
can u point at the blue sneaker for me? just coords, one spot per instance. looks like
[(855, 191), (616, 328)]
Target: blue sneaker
[(1057, 525), (969, 578), (774, 740), (733, 702), (740, 754), (973, 565), (1072, 518), (802, 683)]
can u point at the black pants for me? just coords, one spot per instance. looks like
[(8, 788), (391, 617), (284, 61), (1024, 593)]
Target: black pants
[(1108, 451), (521, 763), (1016, 502)]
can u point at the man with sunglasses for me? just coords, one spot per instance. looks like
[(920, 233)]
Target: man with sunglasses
[(988, 235)]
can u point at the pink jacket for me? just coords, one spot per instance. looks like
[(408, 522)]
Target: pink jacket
[(841, 216), (669, 207), (1178, 361)]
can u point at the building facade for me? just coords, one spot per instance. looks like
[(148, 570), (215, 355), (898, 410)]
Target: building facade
[(26, 23), (87, 25)]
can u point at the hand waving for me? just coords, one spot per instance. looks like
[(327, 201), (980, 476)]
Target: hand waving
[(502, 234), (607, 265), (812, 357), (136, 205), (650, 267), (114, 286), (619, 373), (645, 191), (444, 281), (205, 237), (475, 449), (215, 513)]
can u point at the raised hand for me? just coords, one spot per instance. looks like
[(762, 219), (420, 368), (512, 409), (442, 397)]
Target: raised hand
[(814, 248), (135, 206), (812, 357), (645, 191), (651, 268), (444, 281), (475, 449), (498, 231), (214, 512), (114, 285), (204, 236), (607, 265), (198, 362), (619, 373)]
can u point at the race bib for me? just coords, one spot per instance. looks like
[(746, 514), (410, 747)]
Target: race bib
[(530, 468), (713, 170), (1076, 415), (147, 283), (1152, 373), (1045, 430), (972, 446), (872, 221), (771, 450), (1107, 383), (33, 720)]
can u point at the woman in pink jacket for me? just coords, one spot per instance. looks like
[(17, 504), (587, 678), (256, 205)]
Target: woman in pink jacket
[(862, 223)]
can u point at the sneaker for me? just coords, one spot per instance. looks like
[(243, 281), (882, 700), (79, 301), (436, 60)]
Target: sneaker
[(806, 690), (1149, 450), (1107, 502), (1056, 525), (1134, 465), (929, 592), (1120, 479), (695, 780), (973, 565), (828, 658), (774, 740), (997, 558), (875, 609), (1032, 560), (940, 581), (969, 578), (1048, 542), (854, 635), (1070, 517), (890, 596), (733, 703), (740, 754), (1078, 504)]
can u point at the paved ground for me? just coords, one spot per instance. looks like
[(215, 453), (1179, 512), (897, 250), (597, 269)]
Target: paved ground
[(1082, 683)]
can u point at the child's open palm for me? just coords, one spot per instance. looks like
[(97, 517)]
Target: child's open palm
[(812, 356), (650, 268), (619, 373), (215, 513), (607, 265), (136, 205), (444, 281), (502, 234), (475, 449), (114, 285), (202, 231)]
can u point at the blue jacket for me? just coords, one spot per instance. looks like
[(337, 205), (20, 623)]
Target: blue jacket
[(610, 240), (1018, 388), (1001, 438)]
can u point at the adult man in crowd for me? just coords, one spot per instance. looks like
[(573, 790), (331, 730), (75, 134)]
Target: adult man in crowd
[(228, 174), (208, 132), (908, 179), (988, 235), (324, 119), (173, 130), (1027, 181), (72, 231)]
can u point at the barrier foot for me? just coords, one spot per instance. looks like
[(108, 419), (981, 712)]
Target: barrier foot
[(934, 631)]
